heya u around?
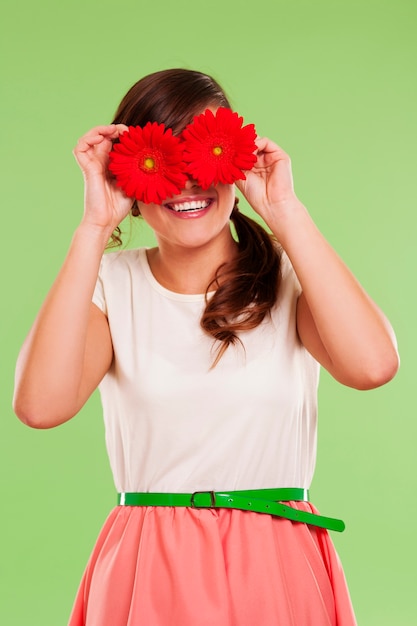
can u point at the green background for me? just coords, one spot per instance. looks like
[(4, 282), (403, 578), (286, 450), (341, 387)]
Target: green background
[(335, 84)]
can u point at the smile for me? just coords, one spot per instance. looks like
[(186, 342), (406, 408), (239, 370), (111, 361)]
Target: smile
[(194, 205)]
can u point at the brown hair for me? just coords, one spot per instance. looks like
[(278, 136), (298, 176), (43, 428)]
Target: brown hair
[(247, 287)]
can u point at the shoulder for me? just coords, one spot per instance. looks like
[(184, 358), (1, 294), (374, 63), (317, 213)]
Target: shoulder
[(119, 272), (121, 261), (116, 258)]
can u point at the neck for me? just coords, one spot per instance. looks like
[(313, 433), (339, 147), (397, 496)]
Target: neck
[(189, 270)]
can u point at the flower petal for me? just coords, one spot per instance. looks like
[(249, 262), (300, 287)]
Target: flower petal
[(138, 147), (217, 148)]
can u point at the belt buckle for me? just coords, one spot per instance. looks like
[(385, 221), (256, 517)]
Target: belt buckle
[(212, 500)]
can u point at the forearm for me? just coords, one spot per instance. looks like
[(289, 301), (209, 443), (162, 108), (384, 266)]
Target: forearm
[(336, 320), (358, 343), (50, 364)]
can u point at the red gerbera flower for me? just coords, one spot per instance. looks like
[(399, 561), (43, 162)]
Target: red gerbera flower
[(148, 163), (217, 148)]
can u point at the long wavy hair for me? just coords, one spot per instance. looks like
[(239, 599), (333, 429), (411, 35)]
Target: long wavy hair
[(247, 286)]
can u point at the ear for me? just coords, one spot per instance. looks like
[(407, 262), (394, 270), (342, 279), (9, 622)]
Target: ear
[(135, 209)]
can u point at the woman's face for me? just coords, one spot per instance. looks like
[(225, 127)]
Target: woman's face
[(193, 218)]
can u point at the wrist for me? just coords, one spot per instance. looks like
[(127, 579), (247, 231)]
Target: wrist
[(94, 234), (286, 219)]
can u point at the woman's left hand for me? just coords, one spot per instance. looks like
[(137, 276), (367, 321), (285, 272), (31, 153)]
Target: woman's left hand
[(269, 185)]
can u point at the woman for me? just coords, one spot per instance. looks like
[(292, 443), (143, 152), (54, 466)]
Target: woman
[(206, 349)]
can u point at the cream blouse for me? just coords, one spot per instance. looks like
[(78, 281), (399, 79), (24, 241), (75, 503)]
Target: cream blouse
[(174, 424)]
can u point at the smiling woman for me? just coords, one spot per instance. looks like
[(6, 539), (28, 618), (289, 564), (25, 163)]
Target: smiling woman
[(207, 351)]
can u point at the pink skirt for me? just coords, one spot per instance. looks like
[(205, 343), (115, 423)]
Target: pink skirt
[(172, 566)]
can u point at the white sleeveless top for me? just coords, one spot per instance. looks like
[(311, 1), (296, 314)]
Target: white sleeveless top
[(175, 425)]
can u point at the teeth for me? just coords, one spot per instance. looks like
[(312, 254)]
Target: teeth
[(195, 205)]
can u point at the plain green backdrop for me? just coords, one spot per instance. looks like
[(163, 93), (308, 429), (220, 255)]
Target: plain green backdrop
[(335, 84)]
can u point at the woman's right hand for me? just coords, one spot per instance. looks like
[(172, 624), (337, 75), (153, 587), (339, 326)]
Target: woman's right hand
[(105, 204)]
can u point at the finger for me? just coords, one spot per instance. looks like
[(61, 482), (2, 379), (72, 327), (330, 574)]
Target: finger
[(96, 135), (261, 142), (107, 130), (121, 128), (266, 146), (86, 143)]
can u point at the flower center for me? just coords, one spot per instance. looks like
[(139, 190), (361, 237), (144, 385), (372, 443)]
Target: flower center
[(149, 163), (217, 150)]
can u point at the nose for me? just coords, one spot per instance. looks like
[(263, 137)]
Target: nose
[(191, 182)]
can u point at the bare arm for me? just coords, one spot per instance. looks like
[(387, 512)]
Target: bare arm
[(336, 320), (69, 349)]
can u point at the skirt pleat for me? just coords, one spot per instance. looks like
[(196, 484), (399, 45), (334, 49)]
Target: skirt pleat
[(173, 566)]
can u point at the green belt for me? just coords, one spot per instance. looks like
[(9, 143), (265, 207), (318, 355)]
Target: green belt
[(258, 500)]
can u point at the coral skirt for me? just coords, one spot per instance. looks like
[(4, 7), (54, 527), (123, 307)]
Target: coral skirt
[(172, 566)]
